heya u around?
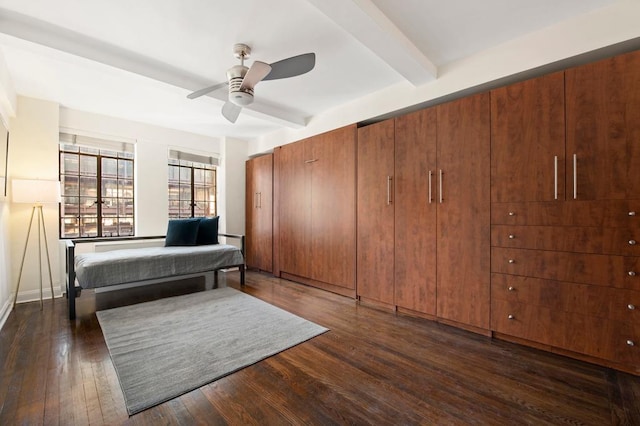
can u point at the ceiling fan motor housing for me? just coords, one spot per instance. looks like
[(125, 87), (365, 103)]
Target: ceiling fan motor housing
[(235, 75)]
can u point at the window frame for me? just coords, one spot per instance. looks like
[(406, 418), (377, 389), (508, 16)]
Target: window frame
[(102, 153), (192, 166)]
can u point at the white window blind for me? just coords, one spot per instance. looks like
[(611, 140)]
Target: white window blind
[(194, 158), (98, 143)]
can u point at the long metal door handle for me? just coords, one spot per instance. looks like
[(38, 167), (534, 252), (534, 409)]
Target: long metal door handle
[(555, 177), (441, 197), (255, 200), (259, 200), (430, 199), (575, 176), (389, 180)]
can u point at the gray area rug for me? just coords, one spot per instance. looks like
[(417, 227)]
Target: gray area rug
[(165, 348)]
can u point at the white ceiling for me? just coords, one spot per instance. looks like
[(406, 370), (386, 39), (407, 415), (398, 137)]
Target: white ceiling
[(139, 59)]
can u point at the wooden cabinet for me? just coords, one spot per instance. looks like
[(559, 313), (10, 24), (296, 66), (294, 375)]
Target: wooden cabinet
[(463, 197), (315, 196), (415, 211), (603, 128), (528, 140), (565, 269), (375, 247), (259, 213), (423, 212)]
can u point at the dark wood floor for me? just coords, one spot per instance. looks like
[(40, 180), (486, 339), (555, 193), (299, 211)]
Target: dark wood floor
[(373, 367)]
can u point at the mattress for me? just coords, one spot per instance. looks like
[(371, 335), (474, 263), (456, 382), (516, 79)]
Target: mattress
[(131, 265)]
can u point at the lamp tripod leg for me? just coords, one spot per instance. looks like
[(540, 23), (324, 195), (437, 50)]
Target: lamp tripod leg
[(24, 254)]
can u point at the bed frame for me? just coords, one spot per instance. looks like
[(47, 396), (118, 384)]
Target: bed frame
[(72, 292)]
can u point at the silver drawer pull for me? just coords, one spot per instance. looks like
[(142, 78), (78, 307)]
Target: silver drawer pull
[(512, 213), (511, 317), (511, 288), (630, 342), (632, 242), (632, 213), (631, 306), (511, 236), (632, 273), (512, 261)]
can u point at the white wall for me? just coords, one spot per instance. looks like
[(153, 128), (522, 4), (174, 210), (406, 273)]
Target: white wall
[(597, 29), (33, 154), (6, 287), (232, 184)]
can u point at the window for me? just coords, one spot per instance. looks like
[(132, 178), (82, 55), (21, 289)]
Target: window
[(97, 189), (192, 185)]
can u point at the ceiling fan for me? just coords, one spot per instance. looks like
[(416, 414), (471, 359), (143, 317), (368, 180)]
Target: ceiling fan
[(242, 79)]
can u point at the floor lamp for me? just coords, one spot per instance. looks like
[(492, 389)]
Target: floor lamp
[(36, 193)]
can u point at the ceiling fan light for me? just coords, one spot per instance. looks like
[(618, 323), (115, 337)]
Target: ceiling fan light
[(241, 98)]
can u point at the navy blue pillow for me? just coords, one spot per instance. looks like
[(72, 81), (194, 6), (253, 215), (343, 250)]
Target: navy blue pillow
[(182, 232), (208, 231)]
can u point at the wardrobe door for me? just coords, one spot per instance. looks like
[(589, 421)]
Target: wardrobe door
[(415, 211), (332, 164), (375, 256), (294, 210), (263, 223), (603, 129), (463, 284), (250, 203), (528, 140)]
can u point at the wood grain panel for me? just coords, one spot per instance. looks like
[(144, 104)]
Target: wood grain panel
[(463, 215), (603, 128), (606, 214), (593, 336), (259, 213), (527, 134), (375, 248), (617, 241), (596, 269), (294, 211), (415, 211), (602, 302), (333, 207)]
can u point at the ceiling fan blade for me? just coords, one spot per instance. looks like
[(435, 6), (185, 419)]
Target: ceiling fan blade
[(256, 73), (231, 111), (291, 67), (206, 90)]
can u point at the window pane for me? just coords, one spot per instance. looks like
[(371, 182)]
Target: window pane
[(88, 186), (125, 169), (125, 226), (185, 175), (89, 150), (109, 206), (88, 227), (199, 210), (106, 153), (200, 193), (125, 207), (125, 188), (88, 165), (69, 164), (208, 177), (70, 185), (88, 206), (109, 167), (185, 193), (198, 176), (109, 188), (69, 227)]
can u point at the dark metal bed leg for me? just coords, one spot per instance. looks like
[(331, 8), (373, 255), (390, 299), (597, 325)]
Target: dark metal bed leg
[(71, 282), (242, 268), (215, 279)]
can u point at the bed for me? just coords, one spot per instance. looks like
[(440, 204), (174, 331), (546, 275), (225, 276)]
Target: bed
[(146, 265)]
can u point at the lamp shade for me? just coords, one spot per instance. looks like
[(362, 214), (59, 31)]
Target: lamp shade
[(33, 191)]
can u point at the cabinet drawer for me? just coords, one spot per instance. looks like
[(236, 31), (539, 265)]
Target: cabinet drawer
[(596, 301), (597, 269), (617, 241), (606, 339), (607, 214)]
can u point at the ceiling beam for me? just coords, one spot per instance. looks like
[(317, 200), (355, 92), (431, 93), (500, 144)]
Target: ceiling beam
[(64, 40), (364, 21)]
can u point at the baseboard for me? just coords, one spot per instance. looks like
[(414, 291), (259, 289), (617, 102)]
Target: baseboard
[(5, 311), (34, 295)]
